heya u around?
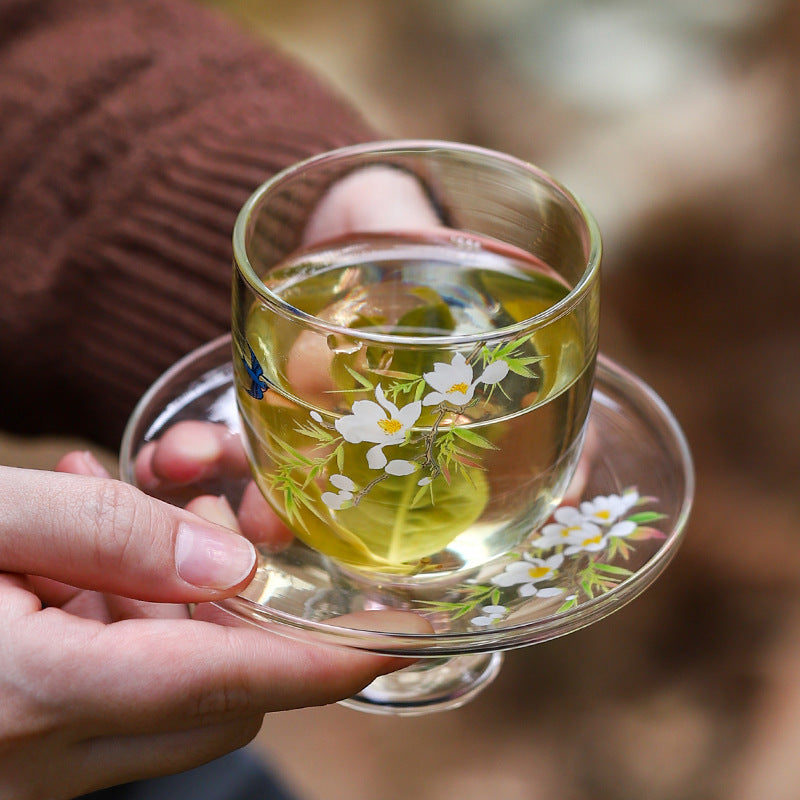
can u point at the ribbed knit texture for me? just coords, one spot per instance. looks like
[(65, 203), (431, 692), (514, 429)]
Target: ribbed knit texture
[(130, 135)]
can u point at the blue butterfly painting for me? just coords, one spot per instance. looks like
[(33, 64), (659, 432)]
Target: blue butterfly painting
[(258, 383)]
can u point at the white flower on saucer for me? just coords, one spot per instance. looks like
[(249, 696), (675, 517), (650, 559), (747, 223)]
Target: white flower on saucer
[(570, 528), (606, 509), (381, 423), (592, 542), (589, 542), (529, 571), (455, 384), (346, 487), (621, 529), (491, 614)]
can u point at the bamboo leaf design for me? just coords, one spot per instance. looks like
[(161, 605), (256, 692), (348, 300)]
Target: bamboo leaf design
[(473, 438)]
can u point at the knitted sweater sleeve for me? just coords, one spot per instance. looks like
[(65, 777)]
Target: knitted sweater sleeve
[(130, 135)]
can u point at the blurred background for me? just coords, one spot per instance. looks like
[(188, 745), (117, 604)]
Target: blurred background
[(679, 125)]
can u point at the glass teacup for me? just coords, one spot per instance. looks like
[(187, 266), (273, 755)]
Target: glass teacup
[(415, 332)]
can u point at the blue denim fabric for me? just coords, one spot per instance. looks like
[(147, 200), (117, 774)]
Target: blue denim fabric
[(238, 776)]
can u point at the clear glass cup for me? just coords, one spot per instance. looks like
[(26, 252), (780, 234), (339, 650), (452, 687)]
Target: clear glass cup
[(414, 332)]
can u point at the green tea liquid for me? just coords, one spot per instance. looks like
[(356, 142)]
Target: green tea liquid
[(477, 452)]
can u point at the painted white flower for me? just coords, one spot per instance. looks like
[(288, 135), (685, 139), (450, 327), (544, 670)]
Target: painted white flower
[(621, 529), (491, 614), (335, 500), (455, 384), (570, 528), (382, 423), (529, 571), (342, 482), (607, 509), (400, 467), (346, 487), (593, 542), (590, 542)]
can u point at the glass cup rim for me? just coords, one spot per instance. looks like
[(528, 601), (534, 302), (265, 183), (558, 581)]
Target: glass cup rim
[(245, 268)]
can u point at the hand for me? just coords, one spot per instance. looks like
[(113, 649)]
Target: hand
[(190, 453), (97, 689), (370, 200)]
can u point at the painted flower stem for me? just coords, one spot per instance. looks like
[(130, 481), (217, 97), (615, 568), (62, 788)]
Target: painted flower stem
[(429, 461), (368, 488)]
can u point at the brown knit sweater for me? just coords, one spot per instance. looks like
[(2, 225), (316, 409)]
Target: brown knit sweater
[(130, 135)]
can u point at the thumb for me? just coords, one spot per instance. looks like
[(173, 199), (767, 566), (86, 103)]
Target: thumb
[(102, 534)]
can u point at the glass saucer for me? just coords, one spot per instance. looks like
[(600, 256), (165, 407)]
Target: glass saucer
[(615, 532)]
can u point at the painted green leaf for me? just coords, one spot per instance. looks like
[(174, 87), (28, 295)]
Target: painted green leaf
[(612, 569), (359, 378), (646, 516), (473, 438), (315, 432), (519, 369), (569, 604)]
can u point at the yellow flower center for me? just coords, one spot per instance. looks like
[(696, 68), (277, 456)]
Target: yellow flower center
[(604, 514), (458, 387), (593, 539), (389, 425), (538, 572)]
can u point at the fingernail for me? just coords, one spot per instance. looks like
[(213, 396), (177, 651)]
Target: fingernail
[(93, 466), (211, 558)]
